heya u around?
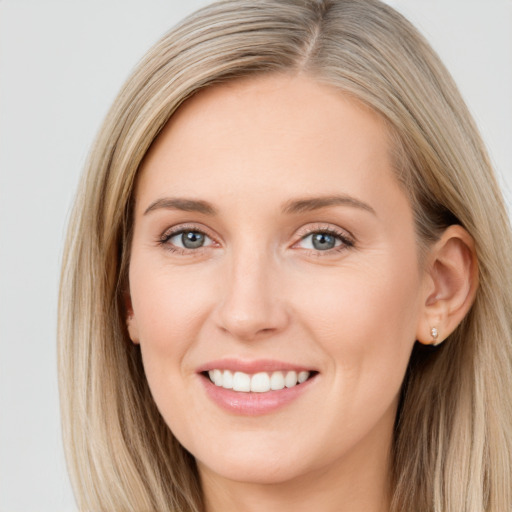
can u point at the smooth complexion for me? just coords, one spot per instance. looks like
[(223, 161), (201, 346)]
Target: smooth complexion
[(272, 235)]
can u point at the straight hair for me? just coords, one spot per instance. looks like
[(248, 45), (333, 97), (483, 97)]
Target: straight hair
[(452, 449)]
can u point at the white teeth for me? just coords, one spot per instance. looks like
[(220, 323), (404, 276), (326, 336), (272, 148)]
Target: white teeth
[(277, 381), (291, 379), (259, 382), (217, 377), (241, 382), (302, 377), (227, 380)]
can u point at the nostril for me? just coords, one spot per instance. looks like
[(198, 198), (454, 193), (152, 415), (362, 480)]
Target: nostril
[(252, 320)]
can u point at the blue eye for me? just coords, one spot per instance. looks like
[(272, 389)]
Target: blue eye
[(325, 241), (187, 240)]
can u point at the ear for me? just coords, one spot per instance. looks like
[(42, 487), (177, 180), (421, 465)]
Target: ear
[(131, 322), (451, 281)]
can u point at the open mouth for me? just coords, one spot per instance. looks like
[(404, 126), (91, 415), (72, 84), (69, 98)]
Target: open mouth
[(261, 382)]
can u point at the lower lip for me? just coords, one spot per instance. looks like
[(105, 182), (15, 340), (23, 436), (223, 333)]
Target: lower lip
[(253, 404)]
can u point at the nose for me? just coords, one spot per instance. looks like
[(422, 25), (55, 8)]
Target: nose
[(252, 304)]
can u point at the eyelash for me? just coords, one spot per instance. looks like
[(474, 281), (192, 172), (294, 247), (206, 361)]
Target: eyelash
[(346, 241), (170, 233)]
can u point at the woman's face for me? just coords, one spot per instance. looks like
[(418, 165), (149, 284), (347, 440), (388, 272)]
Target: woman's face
[(272, 244)]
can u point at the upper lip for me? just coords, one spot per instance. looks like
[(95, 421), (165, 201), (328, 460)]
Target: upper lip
[(251, 367)]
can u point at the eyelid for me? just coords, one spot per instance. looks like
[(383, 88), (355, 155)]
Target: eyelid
[(326, 228), (346, 238), (186, 226), (173, 231), (182, 231)]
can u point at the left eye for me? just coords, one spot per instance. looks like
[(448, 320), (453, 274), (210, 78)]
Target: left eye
[(321, 241), (189, 239)]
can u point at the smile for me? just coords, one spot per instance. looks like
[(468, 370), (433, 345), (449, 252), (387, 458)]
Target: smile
[(257, 387), (261, 382)]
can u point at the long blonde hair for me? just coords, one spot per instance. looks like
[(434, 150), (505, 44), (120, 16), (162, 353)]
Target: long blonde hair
[(453, 435)]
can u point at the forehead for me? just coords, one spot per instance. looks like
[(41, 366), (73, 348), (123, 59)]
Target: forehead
[(269, 132)]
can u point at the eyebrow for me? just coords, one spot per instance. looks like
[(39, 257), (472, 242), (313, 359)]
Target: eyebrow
[(316, 203), (295, 206), (186, 205)]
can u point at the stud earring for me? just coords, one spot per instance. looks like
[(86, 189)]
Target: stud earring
[(435, 335)]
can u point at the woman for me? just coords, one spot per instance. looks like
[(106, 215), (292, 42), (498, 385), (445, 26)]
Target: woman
[(287, 278)]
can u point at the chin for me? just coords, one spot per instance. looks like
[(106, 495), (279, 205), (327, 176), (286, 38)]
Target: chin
[(261, 459), (263, 470)]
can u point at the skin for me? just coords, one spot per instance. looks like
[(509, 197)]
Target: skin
[(258, 288)]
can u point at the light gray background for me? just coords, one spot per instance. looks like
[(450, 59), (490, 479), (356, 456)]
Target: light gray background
[(61, 64)]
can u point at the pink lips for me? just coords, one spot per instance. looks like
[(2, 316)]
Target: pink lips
[(260, 365), (250, 403)]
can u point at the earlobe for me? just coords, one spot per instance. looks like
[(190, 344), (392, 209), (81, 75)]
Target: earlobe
[(452, 280), (131, 322), (133, 332)]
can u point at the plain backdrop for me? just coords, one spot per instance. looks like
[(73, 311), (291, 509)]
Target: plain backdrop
[(61, 64)]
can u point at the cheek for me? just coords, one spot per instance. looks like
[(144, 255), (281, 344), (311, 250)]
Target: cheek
[(365, 318), (166, 305), (169, 307)]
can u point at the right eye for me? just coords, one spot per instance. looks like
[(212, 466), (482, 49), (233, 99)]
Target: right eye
[(184, 240)]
